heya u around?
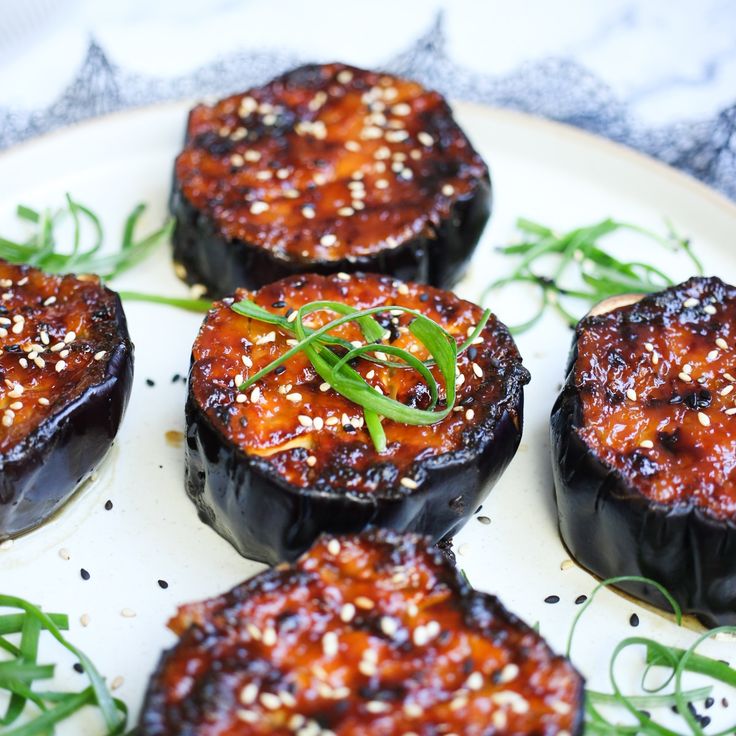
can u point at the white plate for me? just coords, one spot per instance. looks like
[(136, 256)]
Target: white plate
[(541, 170)]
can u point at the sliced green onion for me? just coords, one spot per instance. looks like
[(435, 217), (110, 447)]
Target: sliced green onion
[(547, 259)]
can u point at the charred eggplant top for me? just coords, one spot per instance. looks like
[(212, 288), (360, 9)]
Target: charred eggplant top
[(375, 633), (327, 162), (307, 434), (657, 384), (57, 336)]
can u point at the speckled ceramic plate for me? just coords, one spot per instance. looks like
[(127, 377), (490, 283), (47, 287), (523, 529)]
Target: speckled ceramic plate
[(151, 533)]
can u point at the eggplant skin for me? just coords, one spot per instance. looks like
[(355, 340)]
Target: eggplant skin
[(612, 529), (40, 473), (259, 659), (272, 508), (419, 223)]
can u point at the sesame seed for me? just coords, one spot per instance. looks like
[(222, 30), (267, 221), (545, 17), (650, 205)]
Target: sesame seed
[(304, 420), (253, 631), (60, 365), (409, 483), (347, 612), (474, 681), (709, 309), (684, 377), (566, 564), (328, 240), (311, 461), (448, 190), (18, 328), (704, 419), (477, 370), (318, 423), (249, 694), (270, 701), (48, 302), (255, 394), (323, 387), (236, 160), (381, 184), (425, 138), (330, 644), (721, 343), (334, 547), (7, 420), (269, 636), (508, 673), (687, 368), (128, 613), (295, 397), (712, 355), (64, 554), (70, 336), (726, 391), (258, 208), (646, 444), (389, 626), (308, 212), (731, 411), (331, 421), (631, 394), (241, 399), (100, 355), (377, 706), (365, 603), (648, 347), (691, 302), (6, 544), (469, 415), (346, 211), (268, 337), (729, 377), (117, 682), (345, 76)]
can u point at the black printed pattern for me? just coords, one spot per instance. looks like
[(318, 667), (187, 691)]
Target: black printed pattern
[(558, 89)]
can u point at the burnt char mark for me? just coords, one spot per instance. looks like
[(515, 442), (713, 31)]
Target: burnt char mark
[(268, 647)]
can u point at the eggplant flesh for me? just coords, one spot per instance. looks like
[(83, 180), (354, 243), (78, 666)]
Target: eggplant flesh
[(273, 469), (642, 445), (356, 637), (66, 371), (326, 169)]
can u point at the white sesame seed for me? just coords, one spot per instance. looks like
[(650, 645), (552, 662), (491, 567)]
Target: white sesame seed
[(16, 405), (425, 138), (448, 190), (409, 483), (236, 160), (381, 184), (477, 370), (687, 368), (258, 208), (304, 420), (655, 358), (7, 420), (308, 212), (323, 387), (6, 544), (377, 706), (70, 336), (48, 302), (346, 211), (100, 355), (729, 377), (709, 309), (646, 444), (712, 355), (128, 613), (331, 421), (40, 362), (330, 644), (270, 701), (249, 693), (365, 603), (389, 626), (268, 337), (64, 554), (64, 354), (345, 76), (311, 461), (60, 365), (117, 682), (469, 415), (648, 347), (18, 328), (684, 377), (241, 399), (328, 240), (727, 390), (270, 637), (347, 612), (731, 411), (255, 394), (295, 397), (318, 423), (474, 681), (631, 394), (704, 419), (691, 302), (721, 343)]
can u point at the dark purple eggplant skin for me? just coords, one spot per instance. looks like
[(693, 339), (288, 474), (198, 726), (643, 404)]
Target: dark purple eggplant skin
[(40, 474), (611, 529), (223, 265), (267, 520)]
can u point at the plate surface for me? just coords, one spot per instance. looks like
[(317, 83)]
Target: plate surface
[(541, 170)]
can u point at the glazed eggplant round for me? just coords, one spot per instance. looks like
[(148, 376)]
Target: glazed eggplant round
[(66, 370), (373, 634), (644, 447), (274, 466), (325, 169)]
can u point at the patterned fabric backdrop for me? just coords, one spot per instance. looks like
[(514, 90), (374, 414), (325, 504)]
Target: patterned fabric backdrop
[(555, 88)]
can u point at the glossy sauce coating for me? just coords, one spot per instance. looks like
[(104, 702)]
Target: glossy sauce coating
[(56, 336), (327, 162), (657, 381), (311, 435), (372, 634)]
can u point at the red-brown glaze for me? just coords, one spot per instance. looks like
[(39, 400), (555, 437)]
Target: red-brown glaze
[(59, 348), (373, 634), (271, 426), (327, 162), (678, 358)]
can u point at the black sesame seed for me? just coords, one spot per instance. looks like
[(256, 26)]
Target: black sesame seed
[(348, 427), (724, 702), (424, 297), (552, 599), (78, 668), (581, 599), (634, 620), (279, 304), (176, 377), (150, 382), (279, 369), (472, 352), (709, 702), (85, 575), (484, 520), (108, 505), (163, 584), (704, 721)]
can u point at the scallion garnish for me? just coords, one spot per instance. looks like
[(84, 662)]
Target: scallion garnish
[(19, 673), (676, 660), (336, 370), (573, 267)]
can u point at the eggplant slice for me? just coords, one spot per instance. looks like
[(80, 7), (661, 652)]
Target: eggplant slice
[(66, 371), (644, 447), (374, 634), (273, 468), (325, 169)]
